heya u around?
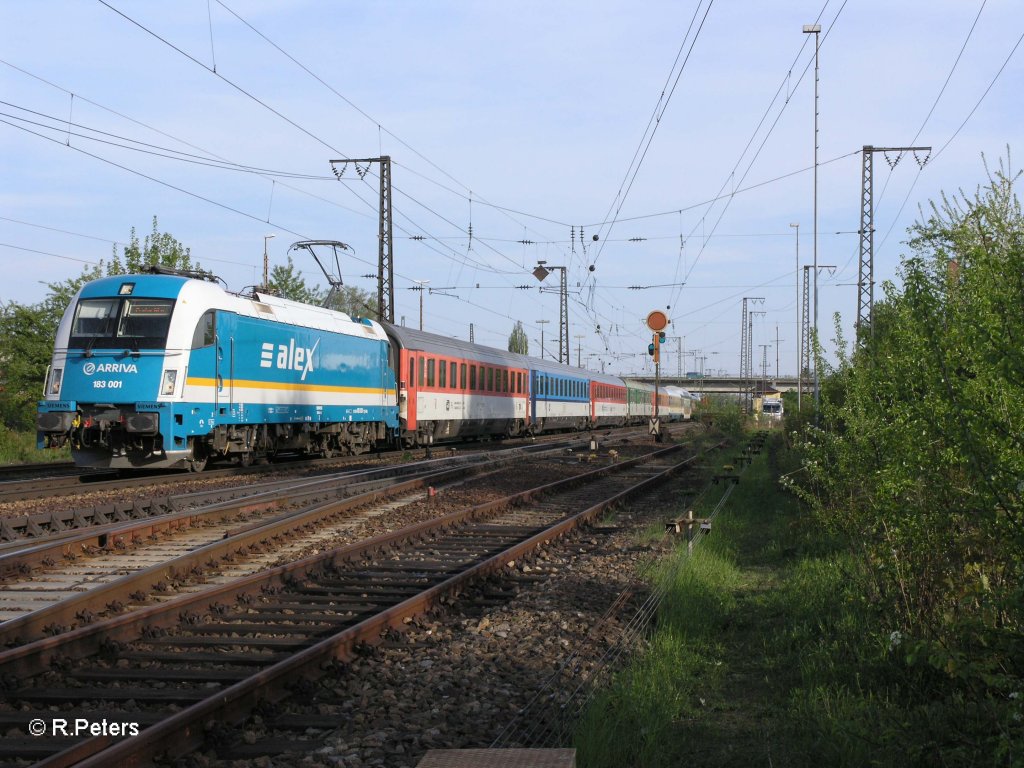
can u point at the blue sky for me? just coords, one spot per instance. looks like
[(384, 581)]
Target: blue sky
[(521, 119)]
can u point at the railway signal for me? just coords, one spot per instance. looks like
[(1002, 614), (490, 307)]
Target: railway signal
[(657, 321)]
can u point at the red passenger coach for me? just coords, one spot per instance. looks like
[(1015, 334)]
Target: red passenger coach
[(453, 389), (607, 401)]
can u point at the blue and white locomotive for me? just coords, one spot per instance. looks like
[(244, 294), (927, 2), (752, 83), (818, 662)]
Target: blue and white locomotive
[(165, 370), (159, 370)]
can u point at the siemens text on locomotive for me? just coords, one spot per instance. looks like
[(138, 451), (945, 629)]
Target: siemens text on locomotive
[(166, 370)]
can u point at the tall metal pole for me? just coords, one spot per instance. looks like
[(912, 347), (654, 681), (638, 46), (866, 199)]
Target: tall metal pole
[(777, 340), (266, 262), (563, 320), (542, 323), (421, 286), (679, 360), (385, 263), (543, 270), (805, 327), (579, 348), (750, 362), (866, 271), (743, 353), (815, 29), (799, 328)]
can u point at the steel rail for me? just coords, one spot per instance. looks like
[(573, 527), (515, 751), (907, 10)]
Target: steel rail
[(246, 538), (185, 729)]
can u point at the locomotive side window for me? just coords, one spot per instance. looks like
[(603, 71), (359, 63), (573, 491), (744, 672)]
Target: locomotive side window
[(205, 331)]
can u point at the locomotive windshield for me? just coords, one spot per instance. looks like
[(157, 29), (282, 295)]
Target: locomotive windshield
[(119, 322)]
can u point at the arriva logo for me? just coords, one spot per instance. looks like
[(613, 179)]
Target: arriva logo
[(90, 368), (289, 358)]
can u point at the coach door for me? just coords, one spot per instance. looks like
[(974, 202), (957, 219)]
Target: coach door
[(407, 395)]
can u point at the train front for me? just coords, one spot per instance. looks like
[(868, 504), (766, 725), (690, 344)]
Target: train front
[(112, 375)]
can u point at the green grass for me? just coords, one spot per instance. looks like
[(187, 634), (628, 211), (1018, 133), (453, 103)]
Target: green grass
[(20, 448), (768, 651)]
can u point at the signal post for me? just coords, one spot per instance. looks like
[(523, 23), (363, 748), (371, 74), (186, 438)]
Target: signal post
[(657, 321)]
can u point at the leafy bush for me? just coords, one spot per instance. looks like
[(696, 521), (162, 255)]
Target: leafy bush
[(919, 456)]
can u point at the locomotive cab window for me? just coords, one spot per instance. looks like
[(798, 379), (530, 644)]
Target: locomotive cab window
[(114, 322)]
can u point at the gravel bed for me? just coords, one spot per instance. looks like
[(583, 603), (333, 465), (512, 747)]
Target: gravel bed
[(457, 678)]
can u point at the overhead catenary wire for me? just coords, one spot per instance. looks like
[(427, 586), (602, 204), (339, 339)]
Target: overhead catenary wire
[(652, 125)]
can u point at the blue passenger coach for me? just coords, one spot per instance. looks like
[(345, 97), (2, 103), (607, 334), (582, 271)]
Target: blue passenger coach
[(160, 370)]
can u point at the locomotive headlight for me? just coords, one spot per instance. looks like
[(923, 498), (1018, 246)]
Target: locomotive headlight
[(55, 377), (170, 379)]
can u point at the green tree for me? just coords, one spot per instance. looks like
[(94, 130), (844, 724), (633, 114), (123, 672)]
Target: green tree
[(920, 452), (518, 341), (27, 331), (157, 249), (287, 282), (354, 302)]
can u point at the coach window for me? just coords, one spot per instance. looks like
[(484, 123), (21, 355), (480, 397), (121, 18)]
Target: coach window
[(423, 364), (431, 365), (205, 331), (490, 379), (504, 381), (462, 375), (442, 375), (472, 377), (453, 370), (411, 375)]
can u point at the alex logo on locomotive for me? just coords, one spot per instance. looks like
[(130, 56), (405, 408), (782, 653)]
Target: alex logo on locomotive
[(289, 358)]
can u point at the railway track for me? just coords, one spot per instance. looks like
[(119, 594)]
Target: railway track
[(69, 480), (75, 481), (172, 669), (56, 584), (42, 468)]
